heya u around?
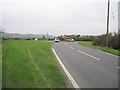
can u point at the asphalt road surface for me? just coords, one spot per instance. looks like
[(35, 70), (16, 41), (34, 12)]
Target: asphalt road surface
[(89, 67)]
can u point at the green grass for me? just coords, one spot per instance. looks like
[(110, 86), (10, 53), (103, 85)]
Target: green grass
[(0, 61), (109, 50), (30, 64)]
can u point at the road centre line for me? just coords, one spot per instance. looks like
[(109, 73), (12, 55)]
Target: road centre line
[(65, 43), (118, 67), (83, 52), (88, 55), (69, 46), (74, 83)]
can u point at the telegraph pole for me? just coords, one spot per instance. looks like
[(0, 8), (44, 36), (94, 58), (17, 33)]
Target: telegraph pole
[(107, 24)]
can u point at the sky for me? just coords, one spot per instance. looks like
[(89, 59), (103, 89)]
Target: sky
[(58, 17), (119, 16)]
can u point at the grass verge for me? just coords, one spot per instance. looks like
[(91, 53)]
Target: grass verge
[(109, 50), (0, 63), (30, 64)]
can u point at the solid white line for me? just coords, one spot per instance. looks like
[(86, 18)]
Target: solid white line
[(108, 53), (88, 55), (66, 71), (118, 67)]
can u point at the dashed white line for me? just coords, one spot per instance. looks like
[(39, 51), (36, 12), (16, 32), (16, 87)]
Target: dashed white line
[(83, 52), (118, 67), (65, 43), (88, 55), (69, 46), (74, 83)]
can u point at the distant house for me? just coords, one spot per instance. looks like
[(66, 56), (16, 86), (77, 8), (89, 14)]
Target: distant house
[(36, 39)]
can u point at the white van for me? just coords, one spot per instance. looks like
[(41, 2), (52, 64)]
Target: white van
[(56, 40)]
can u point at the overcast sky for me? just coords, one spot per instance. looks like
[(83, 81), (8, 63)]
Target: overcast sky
[(58, 16)]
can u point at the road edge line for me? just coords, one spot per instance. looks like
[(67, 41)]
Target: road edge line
[(74, 83)]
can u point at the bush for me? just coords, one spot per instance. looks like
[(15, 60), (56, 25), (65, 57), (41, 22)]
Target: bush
[(113, 40)]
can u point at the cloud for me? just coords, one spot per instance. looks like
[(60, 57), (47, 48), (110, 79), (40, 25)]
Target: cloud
[(55, 16)]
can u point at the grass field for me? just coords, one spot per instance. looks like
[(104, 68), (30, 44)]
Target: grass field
[(30, 64), (109, 50), (0, 63)]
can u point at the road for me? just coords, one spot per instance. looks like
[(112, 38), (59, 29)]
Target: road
[(89, 67)]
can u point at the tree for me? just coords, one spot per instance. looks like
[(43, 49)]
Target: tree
[(43, 37)]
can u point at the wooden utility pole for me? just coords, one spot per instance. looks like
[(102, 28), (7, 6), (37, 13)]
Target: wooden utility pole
[(107, 39)]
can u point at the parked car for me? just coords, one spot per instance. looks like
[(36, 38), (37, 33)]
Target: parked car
[(56, 40), (70, 40)]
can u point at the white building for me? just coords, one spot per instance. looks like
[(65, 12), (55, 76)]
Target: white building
[(36, 39)]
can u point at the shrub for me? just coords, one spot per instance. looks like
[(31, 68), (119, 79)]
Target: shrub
[(113, 40)]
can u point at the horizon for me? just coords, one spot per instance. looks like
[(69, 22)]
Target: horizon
[(59, 35)]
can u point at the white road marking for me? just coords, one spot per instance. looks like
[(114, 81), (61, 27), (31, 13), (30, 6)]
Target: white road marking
[(118, 67), (70, 47), (65, 43), (88, 55), (108, 53), (66, 71)]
